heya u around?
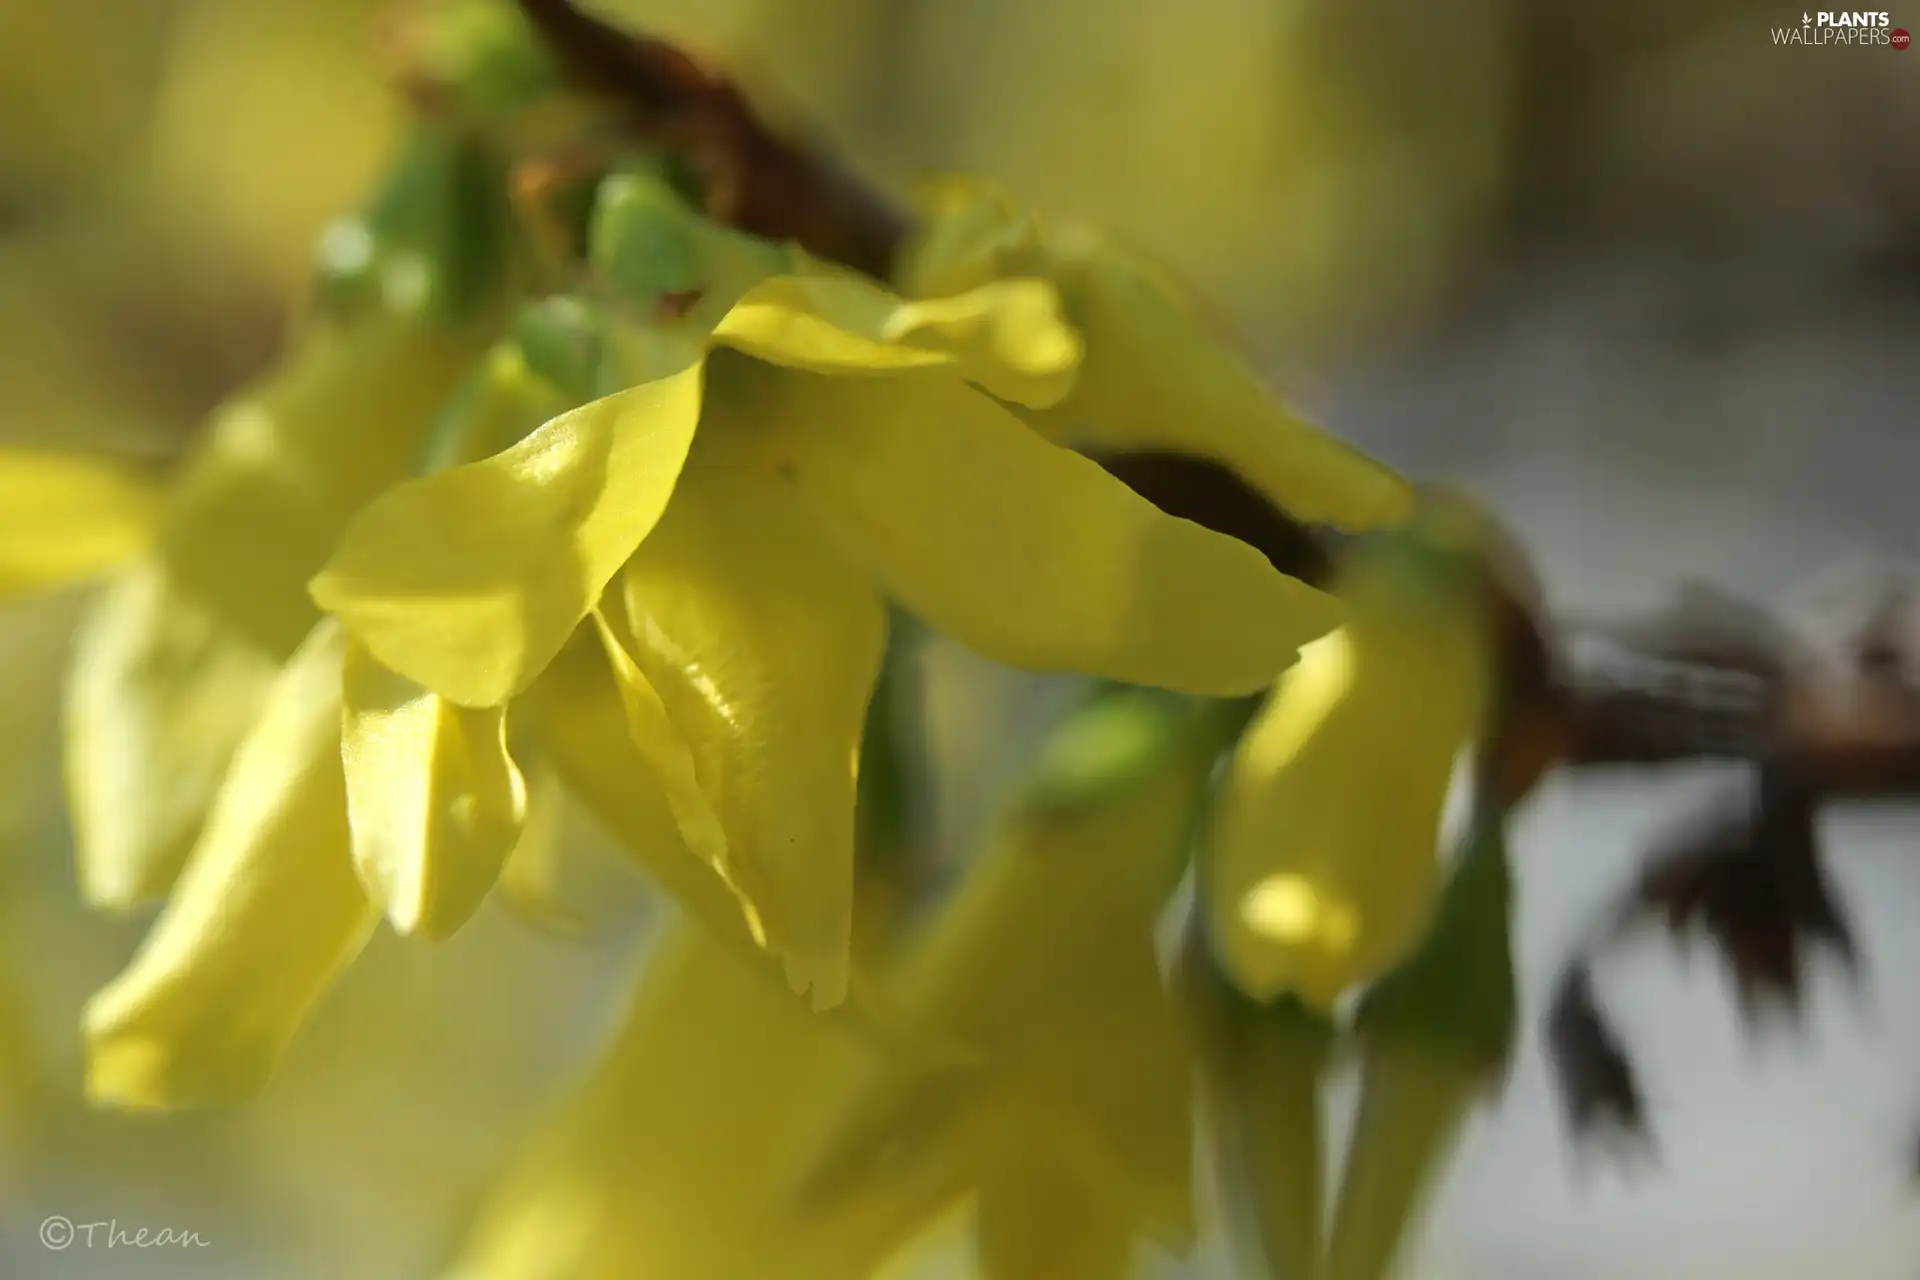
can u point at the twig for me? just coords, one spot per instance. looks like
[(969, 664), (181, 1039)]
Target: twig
[(759, 181)]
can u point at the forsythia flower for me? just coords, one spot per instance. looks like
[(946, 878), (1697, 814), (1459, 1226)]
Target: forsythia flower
[(1043, 963), (1322, 875), (674, 1156), (1155, 376), (669, 1160), (67, 519), (1324, 862), (207, 689), (797, 447), (686, 1155)]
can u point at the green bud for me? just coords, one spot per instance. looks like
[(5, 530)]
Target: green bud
[(564, 340), (1109, 744), (1434, 1034), (1261, 1068), (1457, 990), (644, 241)]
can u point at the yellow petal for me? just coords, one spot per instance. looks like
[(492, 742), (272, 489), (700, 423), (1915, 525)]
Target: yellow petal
[(1323, 864), (1036, 1220), (63, 519), (1156, 374), (159, 695), (575, 709), (542, 880), (764, 644), (1030, 554), (266, 915), (434, 801), (637, 1178), (286, 464), (970, 232), (664, 747), (1043, 962), (1008, 335), (468, 581)]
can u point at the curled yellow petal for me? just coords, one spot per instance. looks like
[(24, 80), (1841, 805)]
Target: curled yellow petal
[(764, 643), (971, 231), (266, 915), (1008, 336), (1157, 377), (159, 695), (1156, 374), (1043, 962), (285, 465), (542, 879), (1030, 554), (434, 800), (576, 709), (63, 519), (661, 742), (468, 581), (1324, 861)]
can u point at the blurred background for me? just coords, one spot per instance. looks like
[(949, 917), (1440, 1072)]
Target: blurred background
[(1642, 277)]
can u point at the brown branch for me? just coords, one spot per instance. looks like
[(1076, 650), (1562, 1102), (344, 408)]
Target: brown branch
[(759, 181)]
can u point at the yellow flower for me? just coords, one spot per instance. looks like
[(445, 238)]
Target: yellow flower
[(172, 664), (670, 1159), (690, 1152), (1156, 377), (798, 447), (674, 1156), (265, 916), (65, 519), (1323, 866), (1043, 964), (205, 709)]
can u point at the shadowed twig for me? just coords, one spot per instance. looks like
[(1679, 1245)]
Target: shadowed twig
[(1738, 683), (758, 180)]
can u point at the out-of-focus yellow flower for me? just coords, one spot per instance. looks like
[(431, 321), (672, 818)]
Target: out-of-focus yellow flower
[(755, 496), (671, 1160), (64, 519), (1039, 1220), (1155, 376), (729, 1134), (1043, 964), (264, 918), (676, 1155), (1324, 864), (174, 660), (180, 712)]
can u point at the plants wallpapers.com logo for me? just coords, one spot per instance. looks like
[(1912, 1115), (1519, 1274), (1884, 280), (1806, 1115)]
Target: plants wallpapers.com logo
[(1852, 28)]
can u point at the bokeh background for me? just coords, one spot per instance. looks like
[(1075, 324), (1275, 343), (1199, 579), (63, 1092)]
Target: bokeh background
[(1646, 280)]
